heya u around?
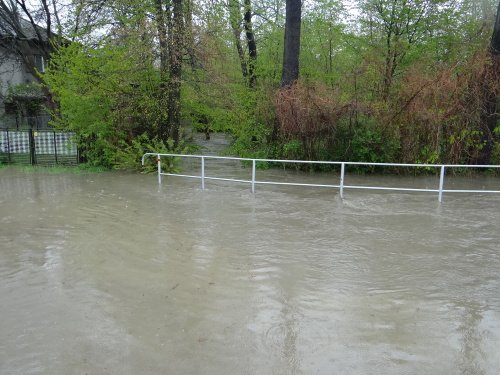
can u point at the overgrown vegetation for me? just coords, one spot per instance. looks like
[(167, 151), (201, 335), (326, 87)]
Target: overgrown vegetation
[(25, 99), (413, 82)]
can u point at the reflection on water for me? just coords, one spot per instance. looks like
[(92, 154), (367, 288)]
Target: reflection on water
[(109, 273), (471, 353)]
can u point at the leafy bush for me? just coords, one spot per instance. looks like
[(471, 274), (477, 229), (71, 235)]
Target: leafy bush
[(129, 156), (308, 113)]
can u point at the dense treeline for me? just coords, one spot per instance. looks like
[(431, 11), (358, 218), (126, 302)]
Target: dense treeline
[(381, 81)]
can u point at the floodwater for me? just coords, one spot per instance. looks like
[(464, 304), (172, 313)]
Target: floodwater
[(111, 274)]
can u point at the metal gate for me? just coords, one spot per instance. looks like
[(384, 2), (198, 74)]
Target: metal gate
[(37, 147)]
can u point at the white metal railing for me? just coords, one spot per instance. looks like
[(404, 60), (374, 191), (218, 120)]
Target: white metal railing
[(341, 186)]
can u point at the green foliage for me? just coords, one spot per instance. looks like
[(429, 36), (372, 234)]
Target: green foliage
[(428, 156), (25, 90), (495, 154), (128, 156), (370, 145), (405, 81), (107, 96), (27, 98), (250, 141), (293, 150)]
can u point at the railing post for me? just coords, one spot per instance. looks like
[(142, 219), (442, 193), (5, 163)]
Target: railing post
[(441, 184), (202, 173), (158, 161), (253, 175), (342, 172)]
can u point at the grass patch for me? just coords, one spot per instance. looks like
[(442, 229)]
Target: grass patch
[(56, 169)]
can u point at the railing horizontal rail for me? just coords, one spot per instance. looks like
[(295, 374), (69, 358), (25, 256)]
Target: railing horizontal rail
[(360, 187), (181, 175), (440, 190), (471, 191), (227, 179), (294, 184), (205, 177), (326, 162)]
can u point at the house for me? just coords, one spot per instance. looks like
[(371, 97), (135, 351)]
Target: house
[(24, 49)]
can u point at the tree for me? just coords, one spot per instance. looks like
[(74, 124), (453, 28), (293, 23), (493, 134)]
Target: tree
[(189, 34), (292, 43), (175, 70), (252, 45), (400, 25), (87, 18), (322, 56), (406, 71), (25, 27), (235, 21), (495, 37), (162, 36)]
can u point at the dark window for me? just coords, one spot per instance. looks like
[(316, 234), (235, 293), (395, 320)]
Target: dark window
[(39, 63)]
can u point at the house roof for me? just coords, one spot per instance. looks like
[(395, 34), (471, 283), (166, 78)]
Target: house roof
[(17, 27)]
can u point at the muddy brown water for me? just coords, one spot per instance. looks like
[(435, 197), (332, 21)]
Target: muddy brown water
[(111, 274)]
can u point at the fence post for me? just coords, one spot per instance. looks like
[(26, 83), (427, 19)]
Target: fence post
[(8, 146), (55, 147), (202, 173), (32, 145), (441, 184), (253, 175), (342, 172), (158, 161)]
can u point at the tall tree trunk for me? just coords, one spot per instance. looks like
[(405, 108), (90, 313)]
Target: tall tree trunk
[(241, 54), (175, 68), (163, 40), (292, 43), (390, 57), (189, 35), (48, 19), (495, 37), (235, 21), (388, 69), (252, 46), (291, 51), (162, 36)]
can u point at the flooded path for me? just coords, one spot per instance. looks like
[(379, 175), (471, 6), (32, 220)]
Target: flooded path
[(111, 274)]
